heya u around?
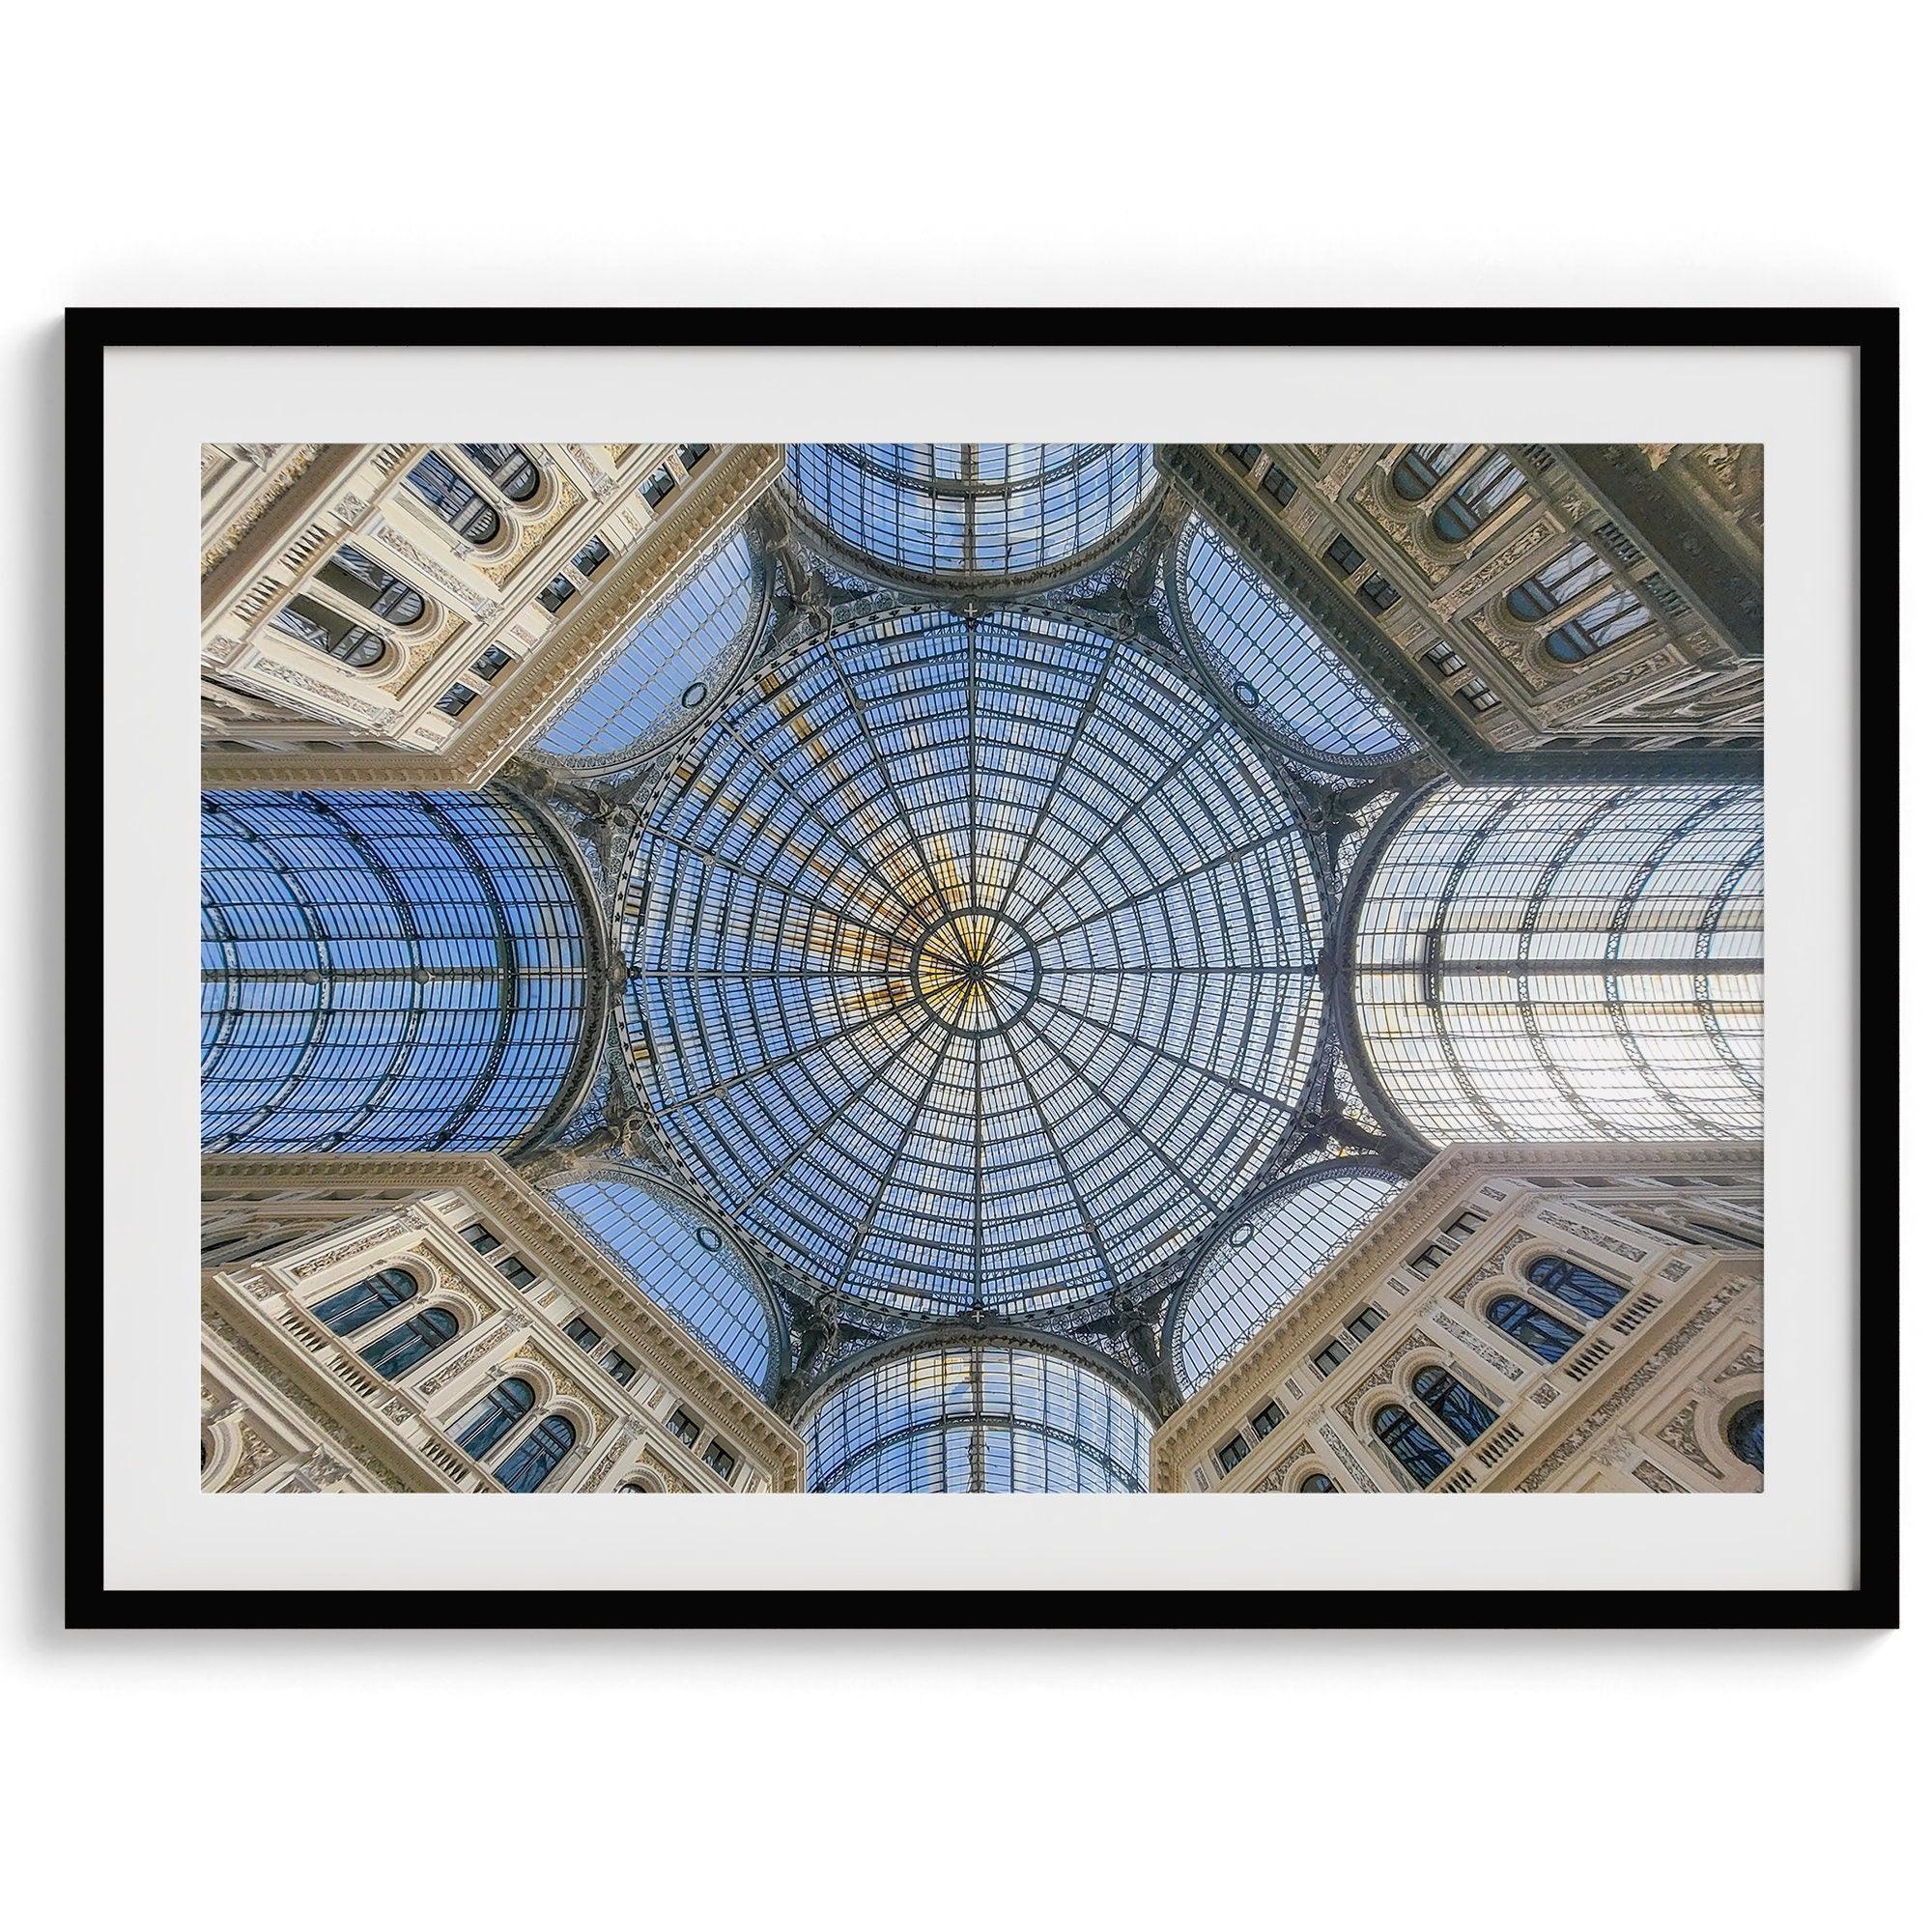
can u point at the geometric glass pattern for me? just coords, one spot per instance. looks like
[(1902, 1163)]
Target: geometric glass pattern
[(972, 509), (1274, 661), (684, 1265), (1260, 1265), (382, 971), (976, 1417), (972, 961), (667, 666), (1569, 963)]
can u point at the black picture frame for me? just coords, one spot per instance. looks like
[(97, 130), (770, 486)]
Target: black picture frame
[(1872, 334)]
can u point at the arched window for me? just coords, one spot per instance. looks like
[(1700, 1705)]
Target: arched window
[(1744, 1434), (1474, 500), (1602, 623), (1411, 1444), (1465, 1411), (453, 500), (1316, 1485), (495, 1416), (636, 1489), (526, 1466), (404, 1347), (348, 1308), (1422, 466), (510, 465), (1589, 1293), (1522, 1322), (330, 632), (365, 581)]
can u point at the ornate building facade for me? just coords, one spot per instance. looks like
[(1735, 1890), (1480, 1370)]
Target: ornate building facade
[(943, 966)]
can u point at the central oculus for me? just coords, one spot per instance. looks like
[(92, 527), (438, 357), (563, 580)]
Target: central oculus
[(976, 971), (972, 961)]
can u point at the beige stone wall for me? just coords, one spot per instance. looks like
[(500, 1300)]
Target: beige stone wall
[(1676, 679), (288, 1405), (278, 712), (1641, 1403)]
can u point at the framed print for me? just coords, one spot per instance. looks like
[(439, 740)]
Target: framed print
[(974, 1021)]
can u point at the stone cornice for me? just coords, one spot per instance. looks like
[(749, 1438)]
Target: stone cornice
[(1361, 1265), (727, 487), (541, 1230), (264, 1351)]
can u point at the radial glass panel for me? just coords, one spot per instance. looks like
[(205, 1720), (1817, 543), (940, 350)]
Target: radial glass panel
[(1274, 661), (973, 961), (972, 509), (668, 664), (1569, 963), (382, 971), (678, 1259), (976, 1417), (1266, 1258)]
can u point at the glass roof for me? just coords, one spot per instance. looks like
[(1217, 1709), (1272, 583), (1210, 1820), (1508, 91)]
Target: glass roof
[(976, 1417), (1262, 1262), (668, 664), (684, 1263), (1274, 661), (972, 509), (972, 961), (383, 971), (1571, 962)]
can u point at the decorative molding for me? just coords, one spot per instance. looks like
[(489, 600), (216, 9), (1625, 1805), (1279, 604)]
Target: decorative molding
[(392, 1229), (363, 1453), (231, 537), (1750, 1362), (1652, 1478), (1477, 1347), (1276, 1479), (1453, 1175), (707, 504), (1490, 1268), (1633, 1384), (1679, 1433), (1383, 1377), (1585, 1233), (542, 1231), (1346, 1457)]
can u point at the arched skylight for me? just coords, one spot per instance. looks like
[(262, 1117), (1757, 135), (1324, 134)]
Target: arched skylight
[(684, 1263), (1274, 661), (1258, 1266), (668, 663), (383, 971), (973, 961), (976, 1417), (1574, 962), (972, 509)]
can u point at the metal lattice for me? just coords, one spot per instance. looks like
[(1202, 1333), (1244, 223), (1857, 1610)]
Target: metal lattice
[(976, 1417), (973, 961), (385, 971), (1274, 662), (1569, 963), (1260, 1265), (972, 510), (667, 666)]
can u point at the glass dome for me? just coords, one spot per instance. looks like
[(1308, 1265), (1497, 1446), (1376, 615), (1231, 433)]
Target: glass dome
[(385, 972), (1274, 663), (1262, 1262), (972, 510), (1569, 962), (976, 1417), (685, 1265), (667, 667), (973, 961)]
